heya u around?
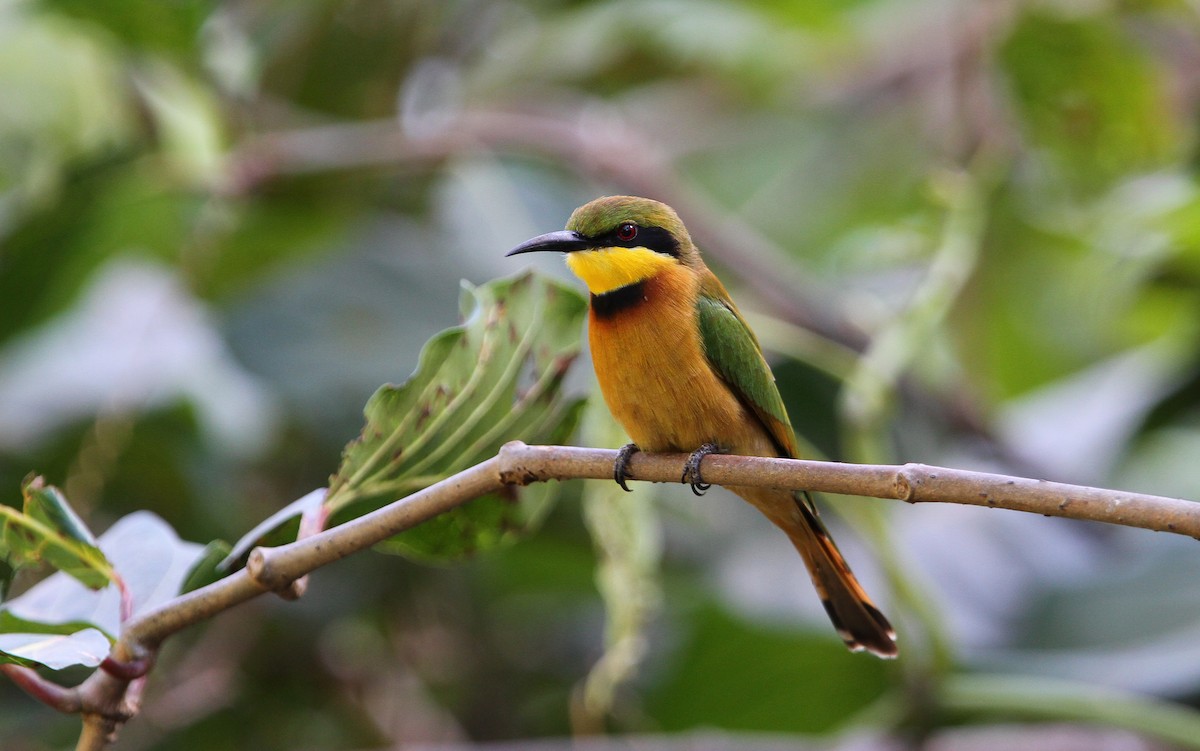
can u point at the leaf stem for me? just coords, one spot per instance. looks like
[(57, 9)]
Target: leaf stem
[(1053, 699), (47, 692), (869, 392)]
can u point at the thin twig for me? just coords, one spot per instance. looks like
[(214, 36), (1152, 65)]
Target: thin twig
[(604, 151), (105, 699)]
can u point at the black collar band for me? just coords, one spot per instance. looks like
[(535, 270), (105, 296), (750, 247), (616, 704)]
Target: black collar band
[(619, 299)]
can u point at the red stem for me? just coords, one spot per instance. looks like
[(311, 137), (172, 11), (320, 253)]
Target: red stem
[(47, 692)]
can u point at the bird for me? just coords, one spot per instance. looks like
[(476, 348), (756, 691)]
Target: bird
[(681, 371)]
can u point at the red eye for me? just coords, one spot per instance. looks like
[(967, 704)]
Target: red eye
[(627, 232)]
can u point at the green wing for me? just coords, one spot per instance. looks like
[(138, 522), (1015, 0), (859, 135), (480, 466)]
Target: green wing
[(735, 355)]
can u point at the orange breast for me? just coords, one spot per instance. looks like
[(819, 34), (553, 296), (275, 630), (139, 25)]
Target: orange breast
[(656, 379)]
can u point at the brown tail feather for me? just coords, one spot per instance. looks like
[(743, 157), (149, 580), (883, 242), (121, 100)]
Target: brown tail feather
[(855, 617)]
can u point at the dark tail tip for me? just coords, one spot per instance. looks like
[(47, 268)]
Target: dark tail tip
[(864, 628)]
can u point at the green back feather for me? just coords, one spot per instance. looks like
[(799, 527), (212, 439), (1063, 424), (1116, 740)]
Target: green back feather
[(734, 353)]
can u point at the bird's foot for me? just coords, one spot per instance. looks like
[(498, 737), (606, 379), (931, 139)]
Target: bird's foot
[(621, 465), (691, 470)]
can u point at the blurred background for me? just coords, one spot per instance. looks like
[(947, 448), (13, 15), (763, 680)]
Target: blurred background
[(967, 233)]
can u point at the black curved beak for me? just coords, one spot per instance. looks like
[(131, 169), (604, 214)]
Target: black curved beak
[(563, 241)]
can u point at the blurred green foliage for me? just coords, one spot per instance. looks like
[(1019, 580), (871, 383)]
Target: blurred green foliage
[(222, 226)]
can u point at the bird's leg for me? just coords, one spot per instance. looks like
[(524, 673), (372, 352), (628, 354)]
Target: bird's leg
[(621, 465), (691, 470)]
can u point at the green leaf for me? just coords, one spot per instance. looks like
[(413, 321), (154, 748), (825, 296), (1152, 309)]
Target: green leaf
[(14, 624), (154, 564), (495, 378), (48, 530), (208, 568), (75, 107), (770, 678), (47, 505), (1089, 95), (170, 28), (281, 229), (87, 647)]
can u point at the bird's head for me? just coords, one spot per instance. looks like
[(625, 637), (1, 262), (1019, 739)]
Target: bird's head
[(616, 241)]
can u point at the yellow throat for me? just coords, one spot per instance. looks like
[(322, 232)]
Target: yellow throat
[(606, 269)]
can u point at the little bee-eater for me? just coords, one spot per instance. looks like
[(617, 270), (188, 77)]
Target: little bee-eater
[(681, 371)]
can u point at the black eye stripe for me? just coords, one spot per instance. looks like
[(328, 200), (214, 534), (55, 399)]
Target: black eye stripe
[(654, 238)]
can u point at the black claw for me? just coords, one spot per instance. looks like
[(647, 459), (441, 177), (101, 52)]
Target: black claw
[(621, 465), (691, 470)]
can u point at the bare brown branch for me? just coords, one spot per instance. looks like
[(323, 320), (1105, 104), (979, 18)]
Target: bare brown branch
[(915, 483), (107, 700)]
